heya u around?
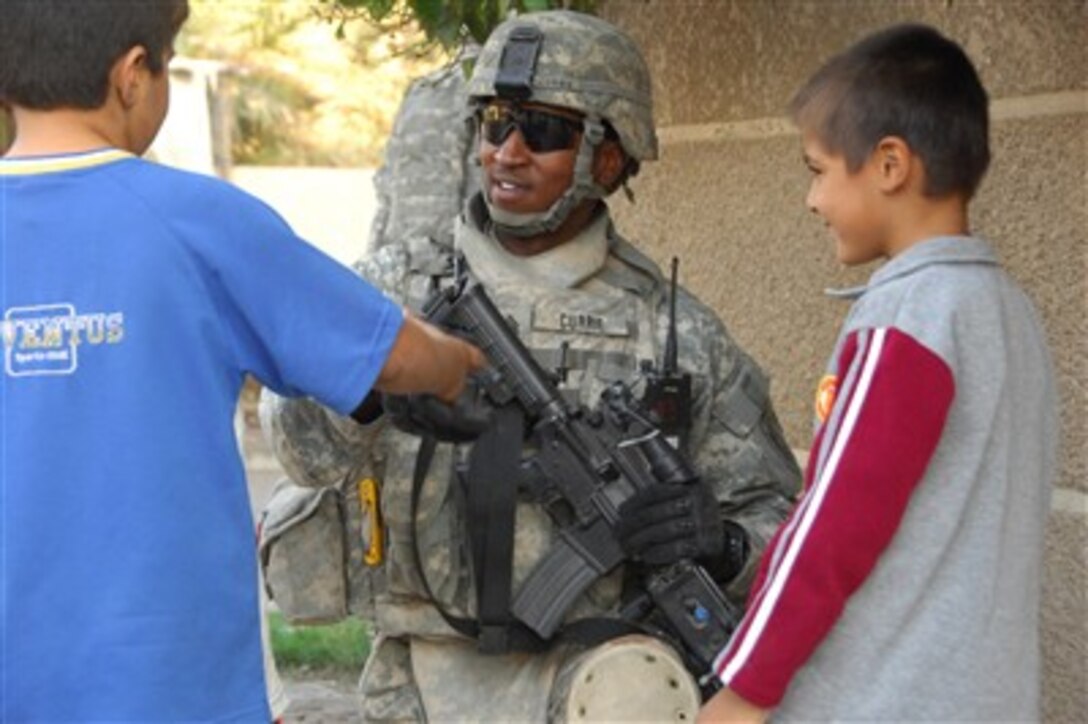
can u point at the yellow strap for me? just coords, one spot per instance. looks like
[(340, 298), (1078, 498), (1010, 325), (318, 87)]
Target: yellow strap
[(368, 501)]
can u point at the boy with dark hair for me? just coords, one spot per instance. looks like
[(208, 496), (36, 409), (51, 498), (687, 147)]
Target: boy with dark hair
[(136, 298), (905, 584), (77, 54)]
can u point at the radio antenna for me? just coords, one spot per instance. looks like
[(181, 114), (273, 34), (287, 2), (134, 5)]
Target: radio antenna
[(670, 361)]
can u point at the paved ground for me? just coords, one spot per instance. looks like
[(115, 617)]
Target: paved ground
[(320, 701), (314, 698)]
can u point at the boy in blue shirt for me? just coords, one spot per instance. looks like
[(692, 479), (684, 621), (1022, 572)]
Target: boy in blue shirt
[(135, 300), (905, 585)]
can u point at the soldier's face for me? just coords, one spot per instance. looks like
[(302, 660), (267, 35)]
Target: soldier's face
[(520, 180)]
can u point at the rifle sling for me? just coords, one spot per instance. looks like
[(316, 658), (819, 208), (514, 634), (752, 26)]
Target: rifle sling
[(496, 632), (491, 501), (516, 637)]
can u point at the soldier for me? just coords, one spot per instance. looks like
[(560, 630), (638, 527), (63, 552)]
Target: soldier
[(563, 112)]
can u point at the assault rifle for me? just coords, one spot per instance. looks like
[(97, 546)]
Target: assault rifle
[(585, 464)]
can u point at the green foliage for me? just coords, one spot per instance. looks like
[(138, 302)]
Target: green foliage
[(265, 110), (301, 93), (343, 645), (445, 22), (306, 91)]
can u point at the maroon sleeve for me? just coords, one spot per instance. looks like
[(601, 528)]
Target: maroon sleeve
[(868, 456)]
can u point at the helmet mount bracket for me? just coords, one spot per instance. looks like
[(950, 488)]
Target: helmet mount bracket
[(514, 79)]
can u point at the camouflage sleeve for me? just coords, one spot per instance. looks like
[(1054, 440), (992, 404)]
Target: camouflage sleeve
[(738, 443), (316, 446)]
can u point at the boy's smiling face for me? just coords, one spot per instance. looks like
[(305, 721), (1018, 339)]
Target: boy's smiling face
[(849, 203)]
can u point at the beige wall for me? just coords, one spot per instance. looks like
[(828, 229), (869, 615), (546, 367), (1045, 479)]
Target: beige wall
[(727, 197)]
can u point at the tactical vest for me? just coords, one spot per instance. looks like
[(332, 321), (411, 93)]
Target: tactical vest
[(600, 332), (603, 330)]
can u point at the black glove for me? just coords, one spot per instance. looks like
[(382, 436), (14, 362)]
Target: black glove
[(663, 524), (423, 415)]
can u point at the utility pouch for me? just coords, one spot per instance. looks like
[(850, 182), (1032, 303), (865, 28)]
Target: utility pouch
[(303, 553)]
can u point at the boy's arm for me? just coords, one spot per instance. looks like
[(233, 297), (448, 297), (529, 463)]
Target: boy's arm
[(426, 360), (868, 457), (318, 447)]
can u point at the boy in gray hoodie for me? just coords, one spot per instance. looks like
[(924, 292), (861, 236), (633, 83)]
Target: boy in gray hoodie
[(905, 584)]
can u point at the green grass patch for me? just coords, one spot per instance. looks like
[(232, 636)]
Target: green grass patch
[(342, 645)]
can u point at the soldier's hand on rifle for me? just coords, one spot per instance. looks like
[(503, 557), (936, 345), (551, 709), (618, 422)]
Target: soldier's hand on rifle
[(663, 524), (426, 415)]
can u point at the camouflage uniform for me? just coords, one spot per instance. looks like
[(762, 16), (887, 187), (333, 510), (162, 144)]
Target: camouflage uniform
[(428, 173), (608, 303)]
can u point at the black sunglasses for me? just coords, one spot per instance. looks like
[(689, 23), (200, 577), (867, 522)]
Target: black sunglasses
[(542, 130)]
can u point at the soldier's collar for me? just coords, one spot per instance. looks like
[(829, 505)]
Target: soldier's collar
[(564, 267), (940, 250)]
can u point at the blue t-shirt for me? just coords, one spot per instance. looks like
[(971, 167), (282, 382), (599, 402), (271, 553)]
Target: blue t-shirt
[(135, 299)]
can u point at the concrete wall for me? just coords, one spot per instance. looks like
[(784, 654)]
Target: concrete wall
[(727, 197)]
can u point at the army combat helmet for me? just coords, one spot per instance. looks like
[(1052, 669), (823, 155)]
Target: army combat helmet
[(574, 61)]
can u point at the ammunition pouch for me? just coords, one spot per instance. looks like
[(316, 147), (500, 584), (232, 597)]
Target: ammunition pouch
[(315, 564)]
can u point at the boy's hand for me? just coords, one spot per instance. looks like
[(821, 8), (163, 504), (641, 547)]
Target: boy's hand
[(426, 360), (727, 706), (456, 358)]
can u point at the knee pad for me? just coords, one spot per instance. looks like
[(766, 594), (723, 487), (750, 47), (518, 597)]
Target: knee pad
[(632, 678)]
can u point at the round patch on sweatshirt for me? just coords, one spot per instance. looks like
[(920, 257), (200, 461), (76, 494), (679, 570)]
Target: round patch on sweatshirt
[(825, 396)]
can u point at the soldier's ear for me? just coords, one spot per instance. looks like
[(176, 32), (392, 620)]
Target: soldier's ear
[(608, 164)]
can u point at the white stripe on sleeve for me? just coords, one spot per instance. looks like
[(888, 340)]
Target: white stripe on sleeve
[(779, 577)]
